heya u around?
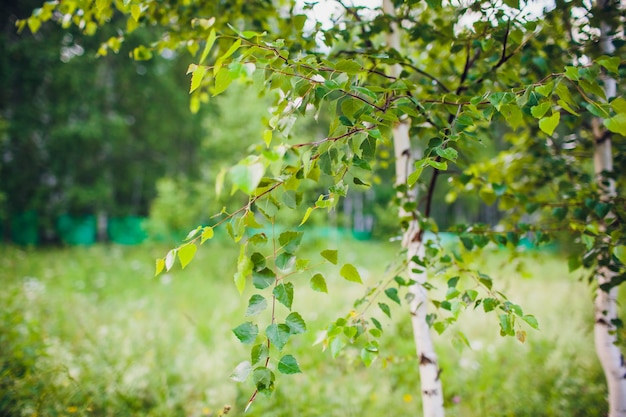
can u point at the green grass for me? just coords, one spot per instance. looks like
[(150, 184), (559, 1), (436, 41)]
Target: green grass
[(89, 331)]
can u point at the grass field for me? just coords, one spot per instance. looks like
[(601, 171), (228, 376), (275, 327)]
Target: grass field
[(90, 332)]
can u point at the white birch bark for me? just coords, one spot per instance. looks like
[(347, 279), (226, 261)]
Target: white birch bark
[(431, 389), (608, 352)]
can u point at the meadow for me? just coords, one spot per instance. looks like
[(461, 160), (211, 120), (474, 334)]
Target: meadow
[(89, 331)]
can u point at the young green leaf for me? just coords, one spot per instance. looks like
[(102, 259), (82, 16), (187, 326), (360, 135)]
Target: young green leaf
[(259, 353), (160, 265), (209, 44), (263, 379), (531, 320), (196, 77), (288, 365), (169, 259), (207, 233), (392, 293), (241, 371), (350, 273), (385, 309), (296, 323), (306, 215), (244, 268), (284, 294), (330, 255), (263, 278), (318, 283), (278, 334), (246, 332), (256, 304), (186, 254)]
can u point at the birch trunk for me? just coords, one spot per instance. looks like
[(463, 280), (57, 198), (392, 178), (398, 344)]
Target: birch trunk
[(606, 302), (431, 389)]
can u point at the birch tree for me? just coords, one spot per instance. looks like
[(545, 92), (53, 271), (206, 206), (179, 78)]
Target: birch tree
[(434, 81)]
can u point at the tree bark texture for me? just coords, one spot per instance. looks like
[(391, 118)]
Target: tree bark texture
[(431, 388), (608, 352)]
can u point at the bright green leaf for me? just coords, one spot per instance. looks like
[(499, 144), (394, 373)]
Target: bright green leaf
[(222, 80), (306, 215), (330, 255), (247, 177), (548, 124), (318, 283), (160, 265), (196, 78), (186, 254), (209, 44), (617, 124), (350, 273)]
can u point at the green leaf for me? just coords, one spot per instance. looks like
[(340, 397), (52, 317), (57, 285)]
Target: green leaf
[(548, 124), (440, 165), (278, 334), (256, 304), (369, 354), (220, 61), (318, 283), (290, 241), (169, 259), (415, 175), (288, 365), (284, 294), (348, 66), (350, 273), (196, 77), (247, 177), (531, 320), (263, 278), (489, 304), (392, 293), (620, 253), (306, 215), (541, 109), (447, 153), (296, 323), (186, 254), (330, 255), (263, 379), (160, 265), (222, 80), (385, 309), (207, 233), (485, 280), (241, 371), (209, 44), (244, 268), (617, 124), (610, 63), (246, 332), (259, 353), (619, 105)]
